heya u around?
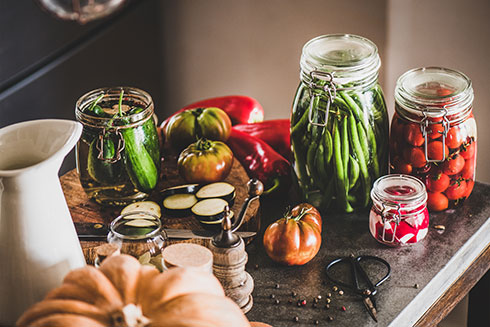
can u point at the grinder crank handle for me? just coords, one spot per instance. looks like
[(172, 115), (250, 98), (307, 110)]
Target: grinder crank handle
[(255, 190)]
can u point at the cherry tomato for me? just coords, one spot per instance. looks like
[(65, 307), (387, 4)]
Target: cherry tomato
[(437, 201), (442, 92), (413, 135), (453, 165), (435, 131), (454, 137), (438, 183), (468, 171), (296, 238), (400, 166), (435, 149), (468, 150), (469, 188), (415, 157), (456, 190)]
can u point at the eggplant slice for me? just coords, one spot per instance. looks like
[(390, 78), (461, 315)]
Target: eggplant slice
[(209, 209), (179, 204), (143, 206), (220, 190), (180, 189)]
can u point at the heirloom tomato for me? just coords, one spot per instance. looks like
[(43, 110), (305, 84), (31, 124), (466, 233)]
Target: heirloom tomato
[(190, 125), (296, 238), (205, 161)]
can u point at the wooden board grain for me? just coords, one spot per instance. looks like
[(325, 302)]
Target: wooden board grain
[(83, 209)]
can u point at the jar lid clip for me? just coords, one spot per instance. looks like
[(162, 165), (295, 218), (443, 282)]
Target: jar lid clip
[(329, 87)]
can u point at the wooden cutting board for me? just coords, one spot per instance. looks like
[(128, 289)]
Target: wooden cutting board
[(83, 209)]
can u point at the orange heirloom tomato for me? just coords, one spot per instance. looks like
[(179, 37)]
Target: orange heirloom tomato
[(296, 238)]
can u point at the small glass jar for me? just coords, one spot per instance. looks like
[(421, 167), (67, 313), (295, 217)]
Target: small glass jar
[(118, 154), (399, 213), (433, 133), (339, 123), (141, 235)]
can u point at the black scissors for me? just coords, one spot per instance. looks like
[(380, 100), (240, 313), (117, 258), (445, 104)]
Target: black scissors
[(360, 275)]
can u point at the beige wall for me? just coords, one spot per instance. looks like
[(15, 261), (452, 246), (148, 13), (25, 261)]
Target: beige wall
[(252, 47)]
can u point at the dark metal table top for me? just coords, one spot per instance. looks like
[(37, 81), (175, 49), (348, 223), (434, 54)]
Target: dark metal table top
[(434, 264)]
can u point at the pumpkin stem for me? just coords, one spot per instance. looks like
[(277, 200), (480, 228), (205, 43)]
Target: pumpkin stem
[(130, 316)]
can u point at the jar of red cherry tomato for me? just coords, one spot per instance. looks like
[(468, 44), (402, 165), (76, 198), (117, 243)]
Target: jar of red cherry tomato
[(399, 214), (433, 134)]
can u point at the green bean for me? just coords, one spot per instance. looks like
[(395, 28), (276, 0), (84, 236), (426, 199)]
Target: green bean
[(356, 146), (353, 172), (345, 150), (327, 145), (374, 156), (355, 109), (320, 164), (363, 140), (339, 169)]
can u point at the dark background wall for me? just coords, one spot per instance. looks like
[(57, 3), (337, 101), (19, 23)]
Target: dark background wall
[(47, 64)]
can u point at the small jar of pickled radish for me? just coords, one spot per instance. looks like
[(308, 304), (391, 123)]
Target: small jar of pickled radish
[(433, 134), (399, 214)]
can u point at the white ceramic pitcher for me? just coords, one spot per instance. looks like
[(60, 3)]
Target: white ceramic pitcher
[(38, 242)]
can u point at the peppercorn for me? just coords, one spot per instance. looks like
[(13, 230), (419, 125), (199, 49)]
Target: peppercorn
[(416, 286), (343, 308), (316, 322), (298, 303), (303, 302), (296, 319), (327, 306), (256, 266), (272, 296), (315, 300), (319, 297), (335, 288), (329, 294), (290, 301), (277, 301), (277, 286), (341, 292), (330, 318), (294, 294), (328, 300)]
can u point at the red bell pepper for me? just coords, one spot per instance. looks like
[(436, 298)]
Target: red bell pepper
[(273, 132), (261, 161), (241, 109)]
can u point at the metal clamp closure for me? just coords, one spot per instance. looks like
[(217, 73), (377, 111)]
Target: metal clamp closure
[(387, 217), (100, 146), (424, 125), (328, 87)]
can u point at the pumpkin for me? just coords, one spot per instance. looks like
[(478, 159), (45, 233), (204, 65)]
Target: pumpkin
[(123, 293)]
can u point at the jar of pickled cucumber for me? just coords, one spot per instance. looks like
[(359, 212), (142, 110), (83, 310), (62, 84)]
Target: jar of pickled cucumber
[(339, 123), (433, 133), (118, 154)]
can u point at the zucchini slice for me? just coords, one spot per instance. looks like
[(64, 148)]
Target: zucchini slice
[(180, 189), (144, 206), (179, 204), (209, 209), (220, 190)]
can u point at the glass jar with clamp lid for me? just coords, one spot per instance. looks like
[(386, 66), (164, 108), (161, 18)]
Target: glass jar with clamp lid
[(339, 123), (399, 213), (433, 133)]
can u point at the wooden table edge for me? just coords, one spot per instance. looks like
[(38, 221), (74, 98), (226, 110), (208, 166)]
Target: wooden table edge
[(455, 293)]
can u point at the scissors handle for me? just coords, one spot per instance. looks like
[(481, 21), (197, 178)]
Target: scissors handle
[(357, 269)]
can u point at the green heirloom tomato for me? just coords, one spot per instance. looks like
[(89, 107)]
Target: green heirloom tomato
[(205, 161), (190, 125)]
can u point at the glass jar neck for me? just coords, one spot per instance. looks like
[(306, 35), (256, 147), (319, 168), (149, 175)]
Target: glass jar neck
[(404, 195), (434, 92), (139, 97), (121, 229), (348, 61)]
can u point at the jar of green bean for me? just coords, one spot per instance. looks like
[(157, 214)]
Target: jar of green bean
[(339, 123)]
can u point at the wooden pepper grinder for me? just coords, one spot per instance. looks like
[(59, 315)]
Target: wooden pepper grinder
[(230, 257)]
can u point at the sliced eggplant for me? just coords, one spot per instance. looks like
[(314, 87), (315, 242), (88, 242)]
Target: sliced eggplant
[(220, 190), (142, 206), (180, 189), (137, 227), (179, 204), (139, 223), (209, 209), (213, 224)]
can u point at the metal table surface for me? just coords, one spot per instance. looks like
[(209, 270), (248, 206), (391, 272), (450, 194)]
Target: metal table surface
[(435, 264)]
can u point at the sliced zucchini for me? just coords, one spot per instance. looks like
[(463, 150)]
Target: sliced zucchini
[(220, 190), (144, 206), (179, 204), (180, 189), (209, 209)]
